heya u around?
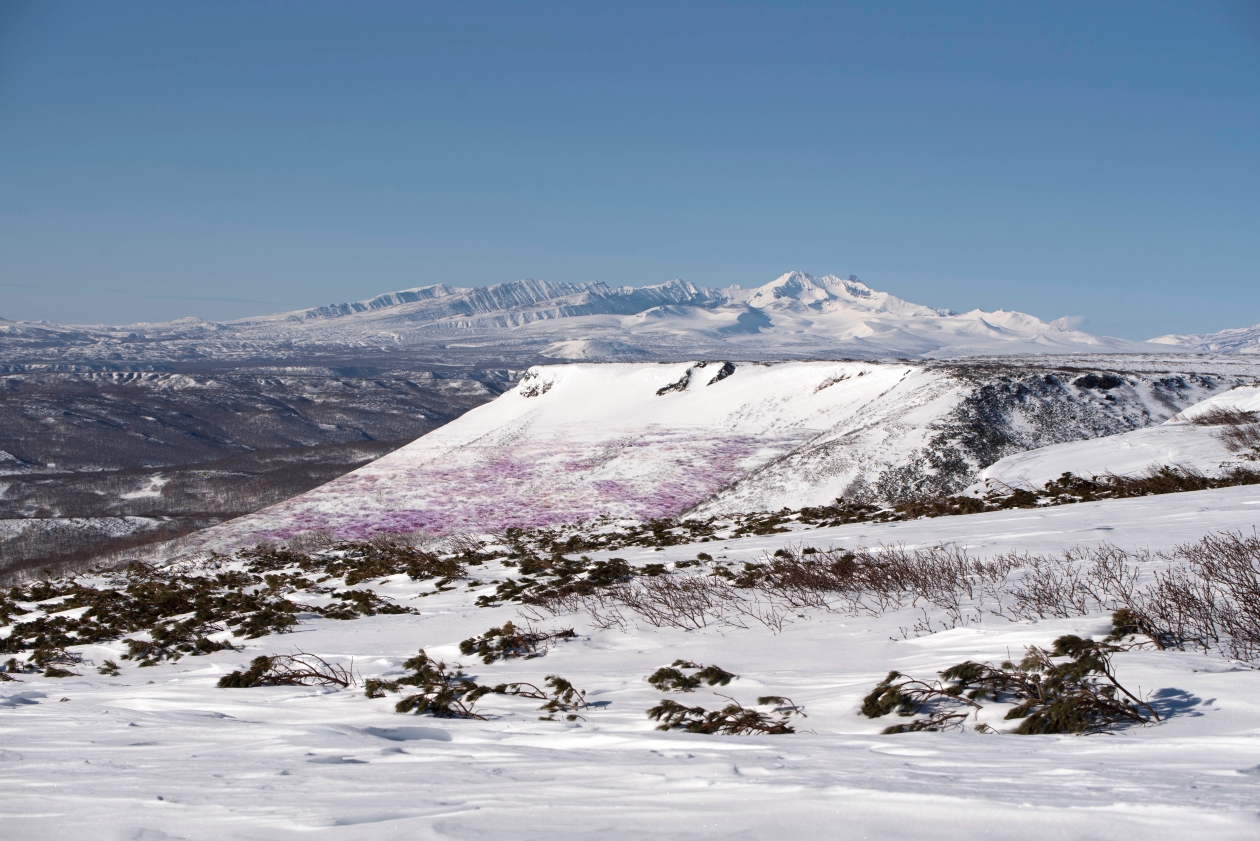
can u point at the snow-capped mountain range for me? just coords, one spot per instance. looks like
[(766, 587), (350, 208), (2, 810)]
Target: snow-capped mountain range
[(794, 316), (1234, 340)]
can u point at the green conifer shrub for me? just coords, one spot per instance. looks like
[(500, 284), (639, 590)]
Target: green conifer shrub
[(671, 679), (1072, 688)]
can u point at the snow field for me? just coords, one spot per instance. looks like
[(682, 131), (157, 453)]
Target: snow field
[(163, 753)]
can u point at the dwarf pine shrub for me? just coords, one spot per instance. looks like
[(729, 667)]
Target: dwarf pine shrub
[(1071, 688), (671, 679), (450, 693), (733, 719), (509, 642), (300, 669)]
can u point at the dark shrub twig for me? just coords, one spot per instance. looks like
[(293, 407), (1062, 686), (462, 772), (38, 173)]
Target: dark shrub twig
[(299, 669)]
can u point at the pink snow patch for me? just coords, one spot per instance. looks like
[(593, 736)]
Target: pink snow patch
[(562, 478)]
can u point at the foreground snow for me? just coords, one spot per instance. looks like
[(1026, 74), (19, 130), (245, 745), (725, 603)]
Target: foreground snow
[(163, 753)]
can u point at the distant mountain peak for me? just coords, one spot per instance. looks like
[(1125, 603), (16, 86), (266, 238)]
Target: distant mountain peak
[(795, 315), (1232, 340)]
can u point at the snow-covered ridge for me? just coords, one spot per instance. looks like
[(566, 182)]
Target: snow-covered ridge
[(1175, 443), (577, 442), (528, 299), (1234, 340), (792, 317)]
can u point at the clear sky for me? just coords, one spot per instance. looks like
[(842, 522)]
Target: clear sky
[(222, 159)]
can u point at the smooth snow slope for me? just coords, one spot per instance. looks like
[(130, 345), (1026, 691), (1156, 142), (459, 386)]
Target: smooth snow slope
[(162, 753), (575, 442), (1175, 443), (639, 440)]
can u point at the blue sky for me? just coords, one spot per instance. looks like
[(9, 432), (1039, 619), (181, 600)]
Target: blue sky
[(222, 159)]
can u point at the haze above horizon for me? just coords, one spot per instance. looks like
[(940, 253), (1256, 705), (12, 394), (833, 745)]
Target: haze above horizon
[(225, 160)]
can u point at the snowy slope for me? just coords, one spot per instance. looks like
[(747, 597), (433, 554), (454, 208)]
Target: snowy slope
[(1235, 340), (1241, 399), (1176, 442), (574, 442), (794, 316), (161, 752)]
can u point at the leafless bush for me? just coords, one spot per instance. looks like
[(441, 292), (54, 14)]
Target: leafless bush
[(1242, 438), (874, 581), (312, 541), (1178, 609), (462, 544), (687, 602), (863, 581), (1221, 416), (1238, 430), (1208, 597)]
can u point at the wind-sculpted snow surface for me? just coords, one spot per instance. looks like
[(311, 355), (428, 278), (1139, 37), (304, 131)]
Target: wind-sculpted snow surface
[(574, 443), (161, 751)]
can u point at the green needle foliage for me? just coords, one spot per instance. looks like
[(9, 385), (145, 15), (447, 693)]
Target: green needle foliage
[(442, 693), (171, 641), (671, 679), (54, 671), (510, 642), (1070, 689), (542, 579), (180, 609), (300, 669), (450, 693), (732, 720)]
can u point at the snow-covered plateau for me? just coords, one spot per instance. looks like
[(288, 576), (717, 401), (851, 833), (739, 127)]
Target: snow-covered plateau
[(114, 722), (160, 750)]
